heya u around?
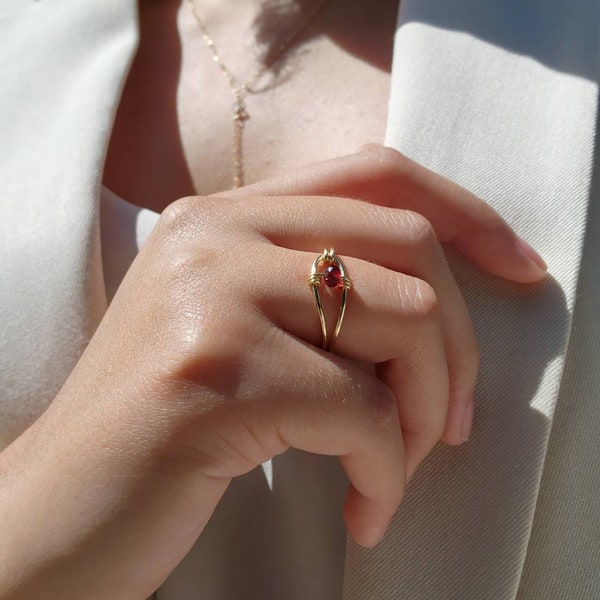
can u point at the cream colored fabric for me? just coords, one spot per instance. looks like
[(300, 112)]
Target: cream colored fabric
[(501, 96)]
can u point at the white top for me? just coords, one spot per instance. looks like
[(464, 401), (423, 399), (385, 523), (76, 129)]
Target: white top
[(124, 228), (498, 95)]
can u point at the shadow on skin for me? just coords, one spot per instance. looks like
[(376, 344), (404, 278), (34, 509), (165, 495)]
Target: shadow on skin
[(347, 29), (538, 32), (155, 142)]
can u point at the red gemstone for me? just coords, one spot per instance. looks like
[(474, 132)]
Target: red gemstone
[(332, 276)]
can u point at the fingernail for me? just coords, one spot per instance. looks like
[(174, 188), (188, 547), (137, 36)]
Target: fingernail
[(532, 254), (467, 423)]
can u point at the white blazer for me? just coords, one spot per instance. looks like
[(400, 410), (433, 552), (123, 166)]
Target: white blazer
[(498, 95)]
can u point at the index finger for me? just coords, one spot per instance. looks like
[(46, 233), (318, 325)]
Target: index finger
[(386, 177)]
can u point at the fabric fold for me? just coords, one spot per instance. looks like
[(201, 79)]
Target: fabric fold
[(511, 117)]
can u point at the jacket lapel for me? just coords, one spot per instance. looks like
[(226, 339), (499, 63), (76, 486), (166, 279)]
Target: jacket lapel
[(500, 97)]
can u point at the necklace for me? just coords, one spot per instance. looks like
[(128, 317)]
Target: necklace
[(241, 90)]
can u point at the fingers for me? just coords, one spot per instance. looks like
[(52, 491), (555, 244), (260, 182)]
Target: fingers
[(328, 406), (263, 390), (391, 319), (402, 241), (385, 177)]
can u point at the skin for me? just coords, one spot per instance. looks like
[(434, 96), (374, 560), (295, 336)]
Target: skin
[(173, 128), (207, 364)]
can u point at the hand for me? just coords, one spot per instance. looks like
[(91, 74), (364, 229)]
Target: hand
[(385, 177), (208, 363)]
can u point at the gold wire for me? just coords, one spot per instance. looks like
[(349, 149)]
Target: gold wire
[(314, 280), (321, 316)]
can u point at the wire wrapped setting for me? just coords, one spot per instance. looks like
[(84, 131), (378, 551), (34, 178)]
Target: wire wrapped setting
[(336, 278)]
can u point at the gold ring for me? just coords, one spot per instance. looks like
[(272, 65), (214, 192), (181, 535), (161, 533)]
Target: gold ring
[(334, 275)]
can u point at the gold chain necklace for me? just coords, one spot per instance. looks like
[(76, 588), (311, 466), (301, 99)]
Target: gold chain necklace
[(240, 90)]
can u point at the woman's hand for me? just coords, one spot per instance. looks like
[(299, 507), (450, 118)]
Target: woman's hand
[(208, 363), (383, 176)]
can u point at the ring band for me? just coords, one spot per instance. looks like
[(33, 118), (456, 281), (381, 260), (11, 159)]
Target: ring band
[(334, 275)]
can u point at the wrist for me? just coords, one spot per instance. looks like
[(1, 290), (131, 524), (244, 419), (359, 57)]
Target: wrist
[(99, 511)]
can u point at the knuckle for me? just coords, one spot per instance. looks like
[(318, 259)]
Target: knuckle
[(424, 301), (186, 217), (419, 229), (386, 162), (178, 212), (415, 298)]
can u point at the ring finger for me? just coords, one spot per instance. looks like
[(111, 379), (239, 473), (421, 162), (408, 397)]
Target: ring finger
[(397, 239), (392, 319), (400, 240)]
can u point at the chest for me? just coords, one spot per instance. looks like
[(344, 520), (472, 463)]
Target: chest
[(174, 130)]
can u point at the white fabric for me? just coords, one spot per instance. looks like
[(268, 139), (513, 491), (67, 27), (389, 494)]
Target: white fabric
[(498, 95), (124, 228)]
